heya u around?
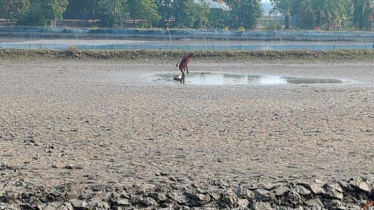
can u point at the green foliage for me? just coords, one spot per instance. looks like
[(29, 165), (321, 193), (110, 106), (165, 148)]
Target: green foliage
[(322, 13), (202, 12), (361, 13), (81, 9), (33, 16), (244, 13), (285, 7), (110, 12), (40, 12), (144, 10), (326, 14), (217, 18), (13, 8), (184, 13), (165, 12), (273, 26)]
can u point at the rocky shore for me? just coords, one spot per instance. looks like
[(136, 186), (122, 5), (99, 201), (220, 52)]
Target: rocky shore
[(351, 194)]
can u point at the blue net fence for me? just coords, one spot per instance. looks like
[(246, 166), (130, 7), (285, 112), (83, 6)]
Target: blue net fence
[(290, 35), (210, 47), (179, 39)]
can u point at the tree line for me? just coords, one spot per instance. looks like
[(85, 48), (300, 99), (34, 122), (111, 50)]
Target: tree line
[(243, 14), (327, 14), (144, 13)]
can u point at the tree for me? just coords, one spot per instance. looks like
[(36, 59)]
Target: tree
[(110, 12), (12, 9), (55, 9), (144, 10), (217, 18), (322, 13), (285, 8), (33, 16), (244, 13), (361, 14), (42, 12), (184, 13), (202, 11), (81, 9), (165, 12)]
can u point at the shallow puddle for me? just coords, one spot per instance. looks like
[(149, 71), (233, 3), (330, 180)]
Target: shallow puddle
[(209, 78)]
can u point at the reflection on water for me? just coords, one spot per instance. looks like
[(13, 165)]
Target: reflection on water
[(207, 78)]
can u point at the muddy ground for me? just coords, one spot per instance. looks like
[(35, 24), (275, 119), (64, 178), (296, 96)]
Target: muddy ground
[(92, 123)]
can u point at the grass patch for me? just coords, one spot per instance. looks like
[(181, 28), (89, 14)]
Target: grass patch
[(257, 56)]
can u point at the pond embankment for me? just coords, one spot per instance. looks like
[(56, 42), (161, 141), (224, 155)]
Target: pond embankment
[(131, 55)]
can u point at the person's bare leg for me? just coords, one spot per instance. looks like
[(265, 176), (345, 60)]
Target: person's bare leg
[(183, 76), (187, 70), (180, 68)]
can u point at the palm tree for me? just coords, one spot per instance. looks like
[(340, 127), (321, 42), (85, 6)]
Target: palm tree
[(323, 12), (361, 13)]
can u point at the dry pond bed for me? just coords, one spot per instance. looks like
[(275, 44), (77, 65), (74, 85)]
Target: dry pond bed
[(110, 135)]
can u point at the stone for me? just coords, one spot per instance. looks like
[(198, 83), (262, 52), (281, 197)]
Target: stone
[(122, 195), (94, 202), (316, 189), (244, 193), (177, 197), (294, 198), (136, 199), (25, 206), (268, 186), (264, 195), (280, 191), (219, 182), (78, 204), (146, 188), (302, 190), (243, 203), (199, 199), (97, 203), (314, 202), (333, 191), (67, 206), (173, 179), (230, 198), (148, 201), (122, 202), (359, 183), (335, 186), (334, 204), (159, 196), (261, 206), (215, 196), (49, 207), (364, 186), (318, 181)]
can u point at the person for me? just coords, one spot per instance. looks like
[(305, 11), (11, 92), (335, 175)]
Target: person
[(183, 65)]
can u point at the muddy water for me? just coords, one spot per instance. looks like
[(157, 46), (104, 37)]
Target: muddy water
[(209, 78)]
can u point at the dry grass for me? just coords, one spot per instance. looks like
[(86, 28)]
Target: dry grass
[(266, 56)]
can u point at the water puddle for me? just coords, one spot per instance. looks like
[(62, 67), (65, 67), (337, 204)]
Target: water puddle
[(209, 78)]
